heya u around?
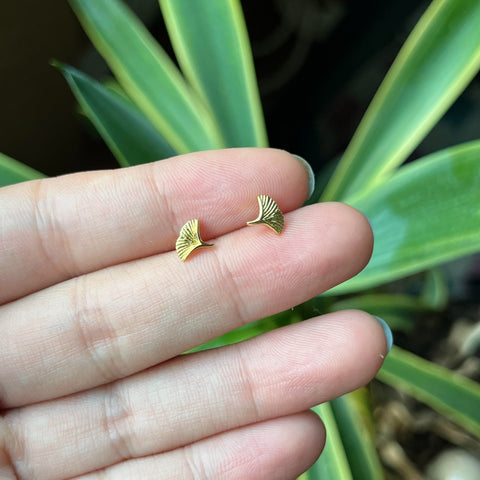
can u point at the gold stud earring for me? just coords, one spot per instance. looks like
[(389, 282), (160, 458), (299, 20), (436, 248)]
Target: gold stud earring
[(189, 240), (269, 215)]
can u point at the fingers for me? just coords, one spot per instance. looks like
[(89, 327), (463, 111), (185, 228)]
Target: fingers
[(278, 449), (112, 323), (196, 396), (57, 229)]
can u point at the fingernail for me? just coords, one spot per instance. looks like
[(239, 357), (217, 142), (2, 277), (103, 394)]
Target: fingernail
[(311, 175), (388, 332)]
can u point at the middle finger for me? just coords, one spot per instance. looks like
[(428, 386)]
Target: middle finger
[(109, 324)]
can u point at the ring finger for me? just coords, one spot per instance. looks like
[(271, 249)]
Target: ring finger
[(195, 396)]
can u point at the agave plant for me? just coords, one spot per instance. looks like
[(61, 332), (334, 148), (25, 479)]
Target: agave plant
[(423, 213)]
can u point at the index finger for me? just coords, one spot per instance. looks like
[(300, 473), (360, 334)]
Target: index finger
[(56, 229)]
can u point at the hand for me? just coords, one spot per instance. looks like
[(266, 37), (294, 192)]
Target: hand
[(96, 309)]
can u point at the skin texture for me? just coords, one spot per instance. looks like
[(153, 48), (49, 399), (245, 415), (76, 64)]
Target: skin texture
[(96, 308)]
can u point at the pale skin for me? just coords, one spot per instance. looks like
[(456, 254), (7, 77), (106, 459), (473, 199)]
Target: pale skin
[(96, 308)]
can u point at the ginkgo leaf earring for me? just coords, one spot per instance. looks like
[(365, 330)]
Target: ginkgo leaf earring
[(189, 240), (269, 215)]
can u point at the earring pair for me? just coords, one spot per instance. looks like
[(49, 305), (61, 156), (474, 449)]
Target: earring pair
[(189, 238)]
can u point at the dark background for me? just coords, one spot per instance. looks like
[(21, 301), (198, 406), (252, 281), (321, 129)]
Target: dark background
[(318, 63)]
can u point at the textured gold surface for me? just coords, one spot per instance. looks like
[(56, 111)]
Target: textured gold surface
[(189, 240), (270, 215)]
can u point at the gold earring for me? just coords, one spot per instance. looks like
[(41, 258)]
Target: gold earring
[(189, 240), (269, 215)]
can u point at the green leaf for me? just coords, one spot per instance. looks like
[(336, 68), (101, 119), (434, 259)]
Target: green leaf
[(397, 310), (426, 214), (250, 330), (451, 394), (212, 47), (148, 75), (434, 66), (333, 461), (129, 134), (356, 427), (12, 171), (435, 290)]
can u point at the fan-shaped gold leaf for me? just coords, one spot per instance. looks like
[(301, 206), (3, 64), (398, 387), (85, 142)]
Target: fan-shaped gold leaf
[(189, 240), (270, 215)]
